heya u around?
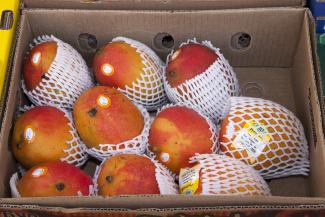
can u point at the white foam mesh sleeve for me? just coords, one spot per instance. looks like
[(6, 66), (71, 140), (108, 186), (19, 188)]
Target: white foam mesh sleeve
[(13, 185), (286, 152), (67, 77), (148, 90), (165, 179), (208, 91), (137, 145), (223, 175)]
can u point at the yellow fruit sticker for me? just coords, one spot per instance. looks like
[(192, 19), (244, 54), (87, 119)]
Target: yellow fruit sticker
[(103, 101), (39, 171), (29, 135), (253, 138), (107, 69), (189, 180), (36, 59)]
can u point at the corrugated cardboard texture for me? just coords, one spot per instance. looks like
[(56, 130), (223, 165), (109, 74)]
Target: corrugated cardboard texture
[(277, 65), (244, 211), (307, 99), (161, 4), (317, 66), (145, 201), (11, 102)]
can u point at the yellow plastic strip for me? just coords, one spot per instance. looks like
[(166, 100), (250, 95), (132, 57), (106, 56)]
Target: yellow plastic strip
[(8, 21)]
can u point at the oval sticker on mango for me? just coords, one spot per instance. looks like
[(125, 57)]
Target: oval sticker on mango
[(40, 171), (103, 101), (36, 59), (107, 69), (29, 134), (164, 157), (176, 54)]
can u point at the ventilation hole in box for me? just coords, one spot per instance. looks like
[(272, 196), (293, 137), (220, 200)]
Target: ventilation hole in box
[(87, 42), (7, 20), (163, 41), (253, 89), (241, 41)]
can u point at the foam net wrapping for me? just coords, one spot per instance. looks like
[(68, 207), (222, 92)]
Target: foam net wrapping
[(222, 175), (15, 193), (213, 128), (165, 179), (67, 77), (137, 145), (148, 90), (265, 135), (76, 153), (208, 91)]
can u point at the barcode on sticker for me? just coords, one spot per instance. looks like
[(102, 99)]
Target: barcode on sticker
[(189, 180), (253, 138)]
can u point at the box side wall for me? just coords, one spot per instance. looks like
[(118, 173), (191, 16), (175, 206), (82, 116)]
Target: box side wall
[(271, 30), (161, 4), (308, 106), (198, 211), (171, 202), (11, 104)]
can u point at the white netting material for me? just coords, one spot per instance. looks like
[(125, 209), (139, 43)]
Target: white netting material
[(285, 154), (77, 150), (165, 179), (222, 175), (213, 128), (210, 90), (67, 77), (137, 145), (148, 90), (13, 185), (15, 193)]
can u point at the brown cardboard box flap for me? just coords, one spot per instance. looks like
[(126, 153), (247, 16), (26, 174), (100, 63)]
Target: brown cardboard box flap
[(161, 4)]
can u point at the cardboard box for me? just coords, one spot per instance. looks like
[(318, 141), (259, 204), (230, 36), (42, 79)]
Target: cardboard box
[(277, 63)]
